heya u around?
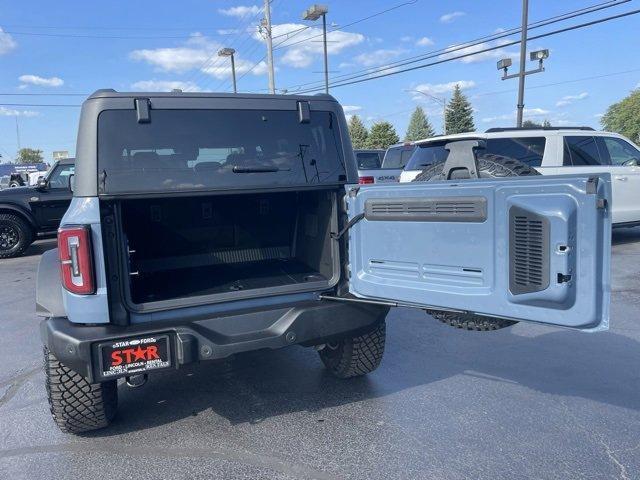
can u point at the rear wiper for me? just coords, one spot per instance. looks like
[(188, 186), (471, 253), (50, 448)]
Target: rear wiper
[(257, 169)]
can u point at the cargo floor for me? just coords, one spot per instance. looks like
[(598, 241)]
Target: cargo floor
[(208, 280)]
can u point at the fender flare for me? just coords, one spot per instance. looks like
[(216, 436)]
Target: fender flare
[(27, 215), (49, 301)]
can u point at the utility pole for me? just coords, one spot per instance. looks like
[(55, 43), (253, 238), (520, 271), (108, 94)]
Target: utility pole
[(267, 27), (523, 54), (230, 52), (18, 133)]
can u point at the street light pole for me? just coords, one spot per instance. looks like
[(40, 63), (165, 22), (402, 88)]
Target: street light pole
[(313, 13), (523, 54), (230, 52), (441, 101)]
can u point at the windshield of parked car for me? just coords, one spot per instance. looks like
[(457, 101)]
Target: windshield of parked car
[(397, 157), (368, 160), (200, 149)]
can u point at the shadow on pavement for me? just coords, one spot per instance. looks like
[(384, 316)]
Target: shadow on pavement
[(622, 236), (40, 246), (260, 385)]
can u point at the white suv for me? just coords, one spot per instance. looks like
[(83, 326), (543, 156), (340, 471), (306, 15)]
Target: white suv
[(554, 151)]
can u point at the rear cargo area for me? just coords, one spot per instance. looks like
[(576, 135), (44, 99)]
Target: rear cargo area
[(228, 247)]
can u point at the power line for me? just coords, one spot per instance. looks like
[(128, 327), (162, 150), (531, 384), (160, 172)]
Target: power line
[(482, 94), (104, 37), (470, 43), (488, 49), (279, 45), (395, 7)]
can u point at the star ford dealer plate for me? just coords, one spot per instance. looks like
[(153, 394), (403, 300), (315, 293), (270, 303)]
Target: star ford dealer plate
[(133, 356)]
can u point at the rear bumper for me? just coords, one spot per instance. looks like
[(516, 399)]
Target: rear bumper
[(308, 323)]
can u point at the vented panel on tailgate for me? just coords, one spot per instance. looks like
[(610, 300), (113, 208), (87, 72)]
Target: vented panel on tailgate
[(450, 209), (528, 251)]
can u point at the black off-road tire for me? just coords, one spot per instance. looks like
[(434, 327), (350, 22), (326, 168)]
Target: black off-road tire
[(489, 166), (356, 356), (76, 405), (23, 231)]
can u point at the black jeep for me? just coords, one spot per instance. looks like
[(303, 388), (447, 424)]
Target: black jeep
[(28, 212)]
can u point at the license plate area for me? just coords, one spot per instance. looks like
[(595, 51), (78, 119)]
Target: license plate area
[(134, 356)]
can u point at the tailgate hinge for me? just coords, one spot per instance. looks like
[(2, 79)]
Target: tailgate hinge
[(351, 223)]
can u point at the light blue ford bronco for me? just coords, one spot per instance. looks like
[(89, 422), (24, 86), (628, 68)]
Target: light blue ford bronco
[(205, 225)]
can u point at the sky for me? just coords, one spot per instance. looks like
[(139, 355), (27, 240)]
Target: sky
[(54, 54)]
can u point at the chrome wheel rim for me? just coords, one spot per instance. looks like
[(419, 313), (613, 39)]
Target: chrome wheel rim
[(9, 237)]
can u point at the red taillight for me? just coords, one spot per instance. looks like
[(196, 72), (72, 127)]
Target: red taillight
[(76, 263), (365, 180)]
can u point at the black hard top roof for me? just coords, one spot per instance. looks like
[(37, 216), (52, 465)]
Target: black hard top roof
[(110, 93)]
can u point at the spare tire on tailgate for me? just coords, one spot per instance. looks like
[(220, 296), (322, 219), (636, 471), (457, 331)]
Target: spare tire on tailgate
[(489, 166)]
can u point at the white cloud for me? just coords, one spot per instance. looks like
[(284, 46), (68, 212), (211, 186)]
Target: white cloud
[(199, 52), (406, 38), (528, 112), (303, 48), (378, 57), (424, 42), (228, 31), (569, 99), (473, 56), (41, 81), (240, 11), (351, 108), (164, 86), (450, 17), (7, 43), (6, 112), (440, 88)]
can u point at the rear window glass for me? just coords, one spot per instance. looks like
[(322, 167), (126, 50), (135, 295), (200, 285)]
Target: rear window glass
[(528, 150), (397, 157), (426, 154), (201, 149), (368, 160)]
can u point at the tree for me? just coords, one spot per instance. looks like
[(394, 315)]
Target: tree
[(531, 124), (624, 117), (358, 132), (459, 113), (546, 123), (382, 135), (419, 126), (29, 155)]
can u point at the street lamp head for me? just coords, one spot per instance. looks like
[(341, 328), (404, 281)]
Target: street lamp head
[(226, 52), (314, 12), (539, 55), (504, 63)]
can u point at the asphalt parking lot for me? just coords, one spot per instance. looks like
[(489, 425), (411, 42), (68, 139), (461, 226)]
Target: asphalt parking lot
[(524, 402)]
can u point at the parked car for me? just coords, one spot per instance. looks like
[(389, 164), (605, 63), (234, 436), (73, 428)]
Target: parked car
[(186, 243), (554, 151), (392, 162), (27, 212), (370, 167), (4, 181)]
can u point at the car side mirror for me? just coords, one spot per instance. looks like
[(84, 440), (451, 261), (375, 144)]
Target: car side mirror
[(72, 182), (41, 184), (631, 163)]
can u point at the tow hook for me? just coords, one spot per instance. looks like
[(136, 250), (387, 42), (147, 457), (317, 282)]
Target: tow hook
[(136, 381)]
